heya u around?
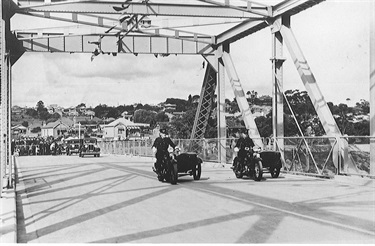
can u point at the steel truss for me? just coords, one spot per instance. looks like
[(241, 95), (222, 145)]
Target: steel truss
[(124, 29)]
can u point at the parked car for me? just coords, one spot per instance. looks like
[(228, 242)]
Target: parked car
[(89, 146), (73, 146)]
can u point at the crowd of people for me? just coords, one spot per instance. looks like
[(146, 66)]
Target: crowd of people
[(37, 146)]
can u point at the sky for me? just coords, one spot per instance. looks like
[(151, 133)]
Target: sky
[(333, 35)]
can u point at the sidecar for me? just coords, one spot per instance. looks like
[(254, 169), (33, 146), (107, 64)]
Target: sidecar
[(189, 164), (271, 161)]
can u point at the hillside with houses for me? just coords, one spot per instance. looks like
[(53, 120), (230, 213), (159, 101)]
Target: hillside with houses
[(143, 121)]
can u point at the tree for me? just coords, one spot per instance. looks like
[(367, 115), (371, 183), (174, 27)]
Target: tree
[(181, 127), (101, 110), (81, 105), (144, 116), (303, 110), (40, 106), (364, 106), (161, 117), (113, 113), (25, 124)]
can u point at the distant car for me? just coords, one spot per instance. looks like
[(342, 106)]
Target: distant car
[(89, 146), (73, 146)]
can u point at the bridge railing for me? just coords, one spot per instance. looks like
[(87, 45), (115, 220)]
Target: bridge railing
[(357, 155), (308, 155)]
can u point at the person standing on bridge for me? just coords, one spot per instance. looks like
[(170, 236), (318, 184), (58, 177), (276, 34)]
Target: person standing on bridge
[(160, 148)]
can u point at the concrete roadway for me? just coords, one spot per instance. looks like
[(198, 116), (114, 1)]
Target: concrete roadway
[(118, 199)]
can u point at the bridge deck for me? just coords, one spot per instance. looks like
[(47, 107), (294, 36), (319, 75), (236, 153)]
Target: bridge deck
[(67, 199)]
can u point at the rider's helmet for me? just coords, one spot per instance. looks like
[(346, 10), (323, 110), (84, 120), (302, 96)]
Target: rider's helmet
[(163, 132)]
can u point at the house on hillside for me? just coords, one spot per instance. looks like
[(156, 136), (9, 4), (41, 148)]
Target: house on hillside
[(121, 129), (17, 110), (18, 130), (55, 129)]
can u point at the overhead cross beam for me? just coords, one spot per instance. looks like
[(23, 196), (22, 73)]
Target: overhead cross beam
[(156, 9), (136, 44)]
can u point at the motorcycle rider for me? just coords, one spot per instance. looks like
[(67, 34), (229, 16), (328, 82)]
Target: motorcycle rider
[(160, 148), (243, 142)]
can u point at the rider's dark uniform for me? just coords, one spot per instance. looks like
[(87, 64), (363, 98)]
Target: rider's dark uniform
[(241, 144), (161, 145)]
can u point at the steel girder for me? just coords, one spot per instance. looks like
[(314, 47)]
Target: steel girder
[(221, 120), (4, 99), (3, 156), (372, 88), (146, 8), (136, 44), (204, 108), (277, 88), (205, 103)]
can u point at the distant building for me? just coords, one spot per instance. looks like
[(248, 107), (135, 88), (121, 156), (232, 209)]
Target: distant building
[(18, 130), (55, 129), (90, 113), (121, 129), (17, 110)]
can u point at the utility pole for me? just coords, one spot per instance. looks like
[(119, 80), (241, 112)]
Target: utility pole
[(79, 130)]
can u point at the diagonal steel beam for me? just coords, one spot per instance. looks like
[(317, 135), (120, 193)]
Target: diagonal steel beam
[(309, 81), (262, 10), (241, 99), (288, 7)]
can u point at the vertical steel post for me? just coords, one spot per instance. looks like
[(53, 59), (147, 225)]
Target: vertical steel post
[(3, 100), (2, 41), (221, 123), (372, 88), (277, 88), (10, 159)]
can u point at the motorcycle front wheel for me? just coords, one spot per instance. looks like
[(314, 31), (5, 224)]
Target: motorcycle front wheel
[(237, 168), (258, 171)]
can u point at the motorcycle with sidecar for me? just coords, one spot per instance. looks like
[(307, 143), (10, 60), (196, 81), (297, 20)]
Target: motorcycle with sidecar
[(251, 164), (168, 167)]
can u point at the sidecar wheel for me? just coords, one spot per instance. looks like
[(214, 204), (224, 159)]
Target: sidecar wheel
[(275, 172), (174, 174), (197, 170), (258, 171)]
